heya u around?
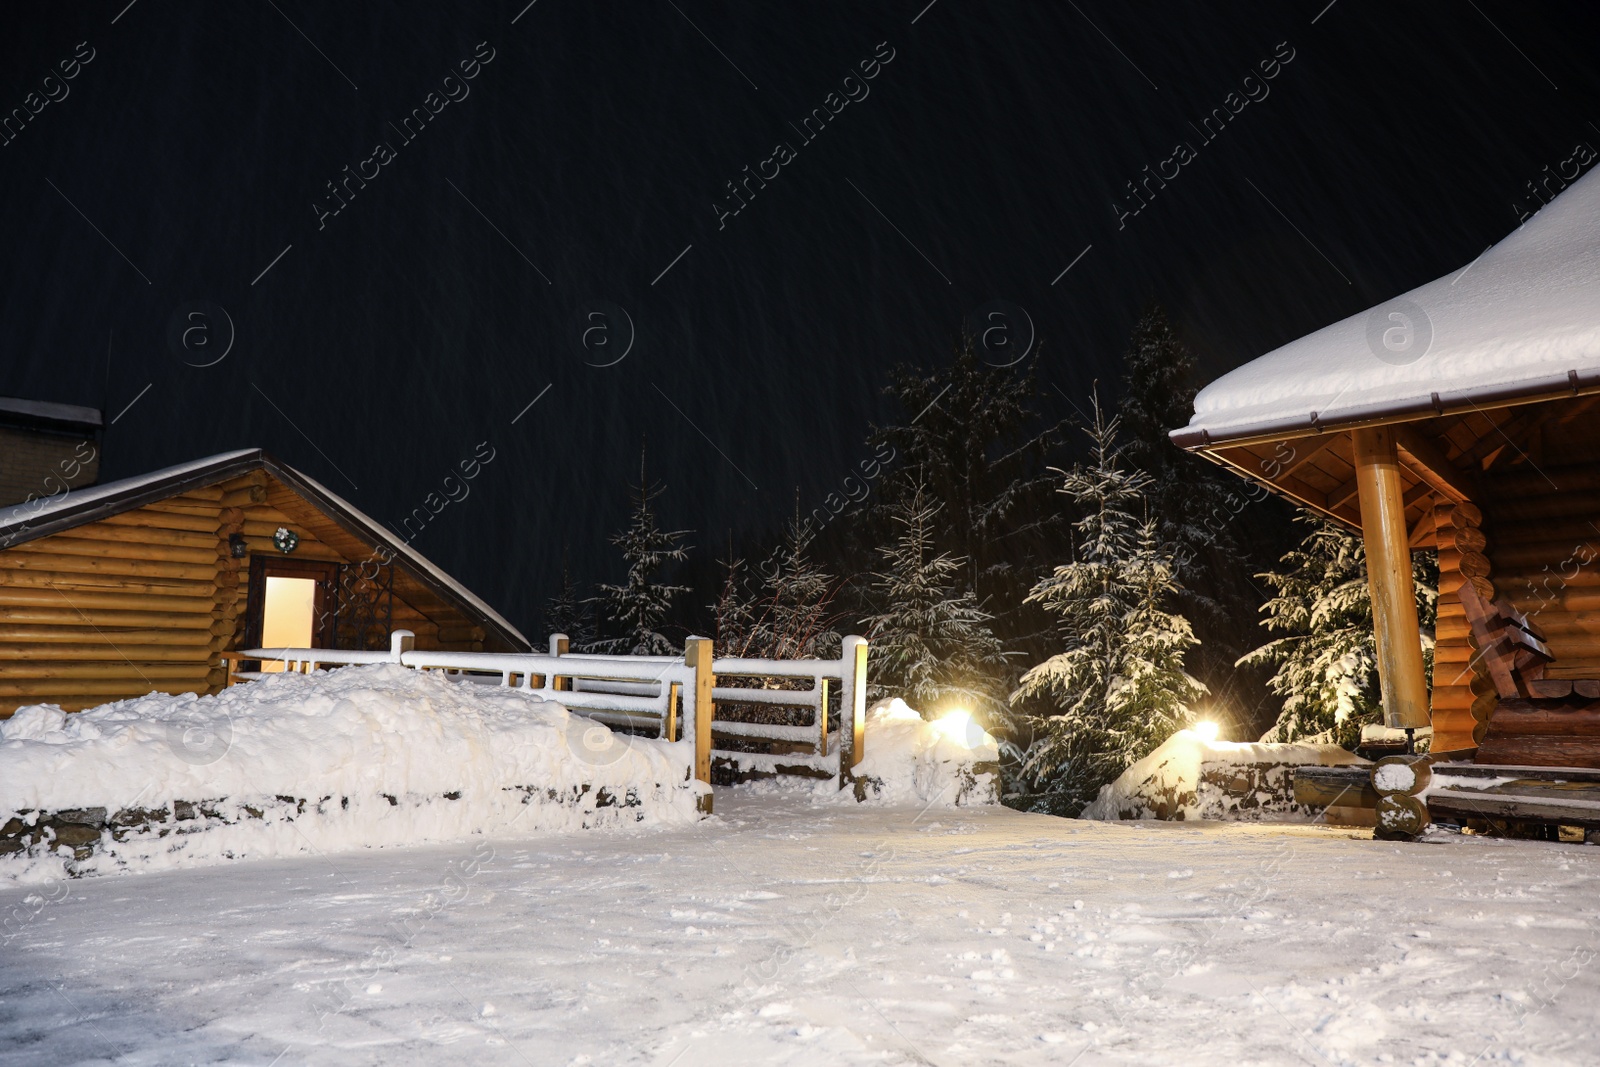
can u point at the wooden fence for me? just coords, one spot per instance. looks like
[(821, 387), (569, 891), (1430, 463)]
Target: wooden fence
[(674, 698)]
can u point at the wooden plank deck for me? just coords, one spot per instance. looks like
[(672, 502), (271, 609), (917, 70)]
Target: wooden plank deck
[(1565, 796)]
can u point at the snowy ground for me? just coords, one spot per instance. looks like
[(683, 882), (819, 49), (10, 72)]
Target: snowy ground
[(782, 933)]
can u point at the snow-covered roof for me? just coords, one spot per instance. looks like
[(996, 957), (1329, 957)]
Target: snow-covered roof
[(417, 559), (1522, 320), (25, 517), (42, 517)]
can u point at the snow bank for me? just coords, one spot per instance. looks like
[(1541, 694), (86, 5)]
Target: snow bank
[(910, 760), (1190, 777), (358, 757)]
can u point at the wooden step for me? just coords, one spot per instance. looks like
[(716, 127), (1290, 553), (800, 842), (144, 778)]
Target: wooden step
[(1527, 799)]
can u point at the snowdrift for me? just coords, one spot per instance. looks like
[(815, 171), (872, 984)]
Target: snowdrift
[(910, 760), (365, 756), (1190, 777)]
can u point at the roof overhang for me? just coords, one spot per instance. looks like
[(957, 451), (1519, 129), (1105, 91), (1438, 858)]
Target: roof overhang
[(1553, 387), (1518, 325)]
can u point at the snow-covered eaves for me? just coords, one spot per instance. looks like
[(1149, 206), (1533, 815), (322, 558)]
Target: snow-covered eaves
[(1520, 323), (49, 515)]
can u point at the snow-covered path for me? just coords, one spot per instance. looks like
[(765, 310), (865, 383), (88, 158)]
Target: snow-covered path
[(784, 933)]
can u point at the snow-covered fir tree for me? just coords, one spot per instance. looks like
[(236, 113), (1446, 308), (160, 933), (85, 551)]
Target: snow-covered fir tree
[(631, 614), (785, 611), (1195, 504), (570, 613), (735, 609), (799, 617), (973, 437), (1326, 663), (1119, 687), (931, 642), (1158, 396)]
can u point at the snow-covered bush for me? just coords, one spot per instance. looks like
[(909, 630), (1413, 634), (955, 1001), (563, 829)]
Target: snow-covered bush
[(945, 763)]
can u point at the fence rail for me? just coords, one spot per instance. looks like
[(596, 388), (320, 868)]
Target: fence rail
[(674, 697)]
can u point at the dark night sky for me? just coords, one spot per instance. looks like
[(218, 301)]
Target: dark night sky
[(451, 291)]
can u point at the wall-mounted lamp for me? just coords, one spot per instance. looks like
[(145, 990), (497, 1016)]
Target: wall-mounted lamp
[(236, 546)]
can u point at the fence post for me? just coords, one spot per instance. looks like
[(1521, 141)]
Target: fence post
[(558, 647), (822, 716), (697, 656), (852, 707), (401, 642)]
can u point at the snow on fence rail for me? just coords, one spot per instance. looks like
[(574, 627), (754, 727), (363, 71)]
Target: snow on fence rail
[(673, 697)]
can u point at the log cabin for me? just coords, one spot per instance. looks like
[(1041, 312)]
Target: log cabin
[(142, 585), (1462, 416)]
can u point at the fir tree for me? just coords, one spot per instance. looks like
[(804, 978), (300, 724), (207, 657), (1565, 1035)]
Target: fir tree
[(1184, 491), (931, 643), (1326, 665), (798, 619), (570, 613), (1158, 396), (735, 610), (1119, 688), (783, 612), (634, 611), (1196, 504), (974, 439)]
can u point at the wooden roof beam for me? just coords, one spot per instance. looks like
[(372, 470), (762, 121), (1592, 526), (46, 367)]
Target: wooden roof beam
[(1429, 463), (1247, 466), (1500, 437), (1425, 533), (1302, 456), (1343, 495)]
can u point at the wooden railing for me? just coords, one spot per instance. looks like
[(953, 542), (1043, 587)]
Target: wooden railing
[(671, 697)]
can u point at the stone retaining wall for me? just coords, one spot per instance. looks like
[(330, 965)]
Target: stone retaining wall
[(79, 834)]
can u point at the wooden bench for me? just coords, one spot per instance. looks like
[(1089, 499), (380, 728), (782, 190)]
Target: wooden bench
[(1539, 721)]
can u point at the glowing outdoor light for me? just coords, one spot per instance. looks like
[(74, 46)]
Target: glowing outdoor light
[(959, 726), (1207, 730)]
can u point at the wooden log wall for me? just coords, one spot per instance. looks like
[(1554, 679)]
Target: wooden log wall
[(112, 609), (1546, 553), (1460, 710)]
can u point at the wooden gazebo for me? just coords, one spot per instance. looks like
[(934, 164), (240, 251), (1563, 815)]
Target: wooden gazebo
[(1462, 416)]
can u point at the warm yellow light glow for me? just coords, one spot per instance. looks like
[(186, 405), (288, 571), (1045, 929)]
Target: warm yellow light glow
[(1207, 730), (958, 725), (287, 615)]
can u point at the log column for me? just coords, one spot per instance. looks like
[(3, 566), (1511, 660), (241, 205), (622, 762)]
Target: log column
[(1394, 605)]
